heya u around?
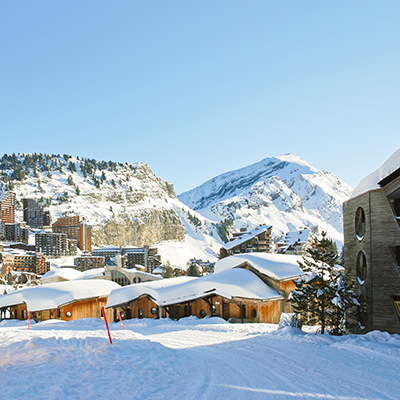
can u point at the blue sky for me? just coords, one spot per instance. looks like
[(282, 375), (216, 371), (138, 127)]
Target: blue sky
[(198, 88)]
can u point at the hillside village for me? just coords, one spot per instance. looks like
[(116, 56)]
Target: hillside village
[(251, 279)]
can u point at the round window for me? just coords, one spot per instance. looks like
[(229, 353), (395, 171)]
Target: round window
[(253, 313), (153, 310), (68, 314), (202, 313), (360, 223), (213, 309), (361, 267)]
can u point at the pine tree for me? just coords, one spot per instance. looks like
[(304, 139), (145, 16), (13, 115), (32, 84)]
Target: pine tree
[(168, 271), (322, 295)]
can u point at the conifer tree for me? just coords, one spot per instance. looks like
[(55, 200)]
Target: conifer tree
[(322, 295)]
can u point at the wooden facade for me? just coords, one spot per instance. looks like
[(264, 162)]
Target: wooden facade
[(89, 308), (372, 256), (236, 310)]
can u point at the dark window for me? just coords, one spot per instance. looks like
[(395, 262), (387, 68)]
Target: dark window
[(362, 313), (396, 300), (253, 313), (140, 313), (360, 223), (202, 314), (121, 279), (361, 267), (396, 254)]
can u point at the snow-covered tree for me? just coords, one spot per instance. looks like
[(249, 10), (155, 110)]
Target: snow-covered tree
[(322, 294)]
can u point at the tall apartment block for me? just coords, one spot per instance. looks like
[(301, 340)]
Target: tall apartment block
[(7, 207), (55, 245), (34, 215), (77, 228), (147, 257), (86, 262)]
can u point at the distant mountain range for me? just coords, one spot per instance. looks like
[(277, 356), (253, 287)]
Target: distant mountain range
[(285, 192), (128, 205)]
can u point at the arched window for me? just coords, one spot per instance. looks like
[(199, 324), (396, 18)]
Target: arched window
[(361, 267), (360, 223)]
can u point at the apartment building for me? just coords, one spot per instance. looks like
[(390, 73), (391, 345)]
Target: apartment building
[(7, 207), (85, 262), (34, 215), (75, 227), (29, 262), (55, 244)]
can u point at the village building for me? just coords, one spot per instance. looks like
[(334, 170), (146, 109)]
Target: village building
[(257, 240), (25, 262), (7, 207), (295, 242), (77, 228), (86, 262), (64, 300), (34, 215), (372, 248), (55, 244), (244, 288), (146, 256)]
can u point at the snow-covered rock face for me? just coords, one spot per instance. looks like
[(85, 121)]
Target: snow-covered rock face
[(125, 203), (285, 192)]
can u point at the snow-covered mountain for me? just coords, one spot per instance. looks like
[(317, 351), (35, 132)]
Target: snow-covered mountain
[(126, 204), (285, 192)]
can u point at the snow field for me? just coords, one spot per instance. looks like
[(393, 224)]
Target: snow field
[(193, 359)]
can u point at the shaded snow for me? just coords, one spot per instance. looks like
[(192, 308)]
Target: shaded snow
[(193, 359)]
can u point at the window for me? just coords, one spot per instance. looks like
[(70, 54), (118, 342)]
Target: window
[(121, 279), (396, 300), (362, 313), (394, 199), (202, 313), (361, 267), (153, 310), (396, 254), (360, 223)]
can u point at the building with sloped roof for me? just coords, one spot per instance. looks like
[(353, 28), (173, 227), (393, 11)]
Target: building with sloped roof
[(372, 248), (257, 240), (244, 288)]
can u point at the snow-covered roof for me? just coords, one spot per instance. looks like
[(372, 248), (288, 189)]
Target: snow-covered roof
[(371, 182), (279, 267), (53, 295), (247, 236), (231, 283), (71, 274)]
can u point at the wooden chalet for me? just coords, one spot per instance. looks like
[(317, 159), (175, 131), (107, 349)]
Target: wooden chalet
[(241, 290), (63, 300)]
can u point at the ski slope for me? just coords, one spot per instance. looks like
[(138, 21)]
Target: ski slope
[(193, 359)]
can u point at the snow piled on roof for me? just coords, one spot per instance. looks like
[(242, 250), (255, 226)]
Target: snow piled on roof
[(370, 182), (276, 266), (231, 283), (247, 236), (71, 274), (53, 295)]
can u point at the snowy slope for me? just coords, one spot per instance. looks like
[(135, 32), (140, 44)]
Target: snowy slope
[(285, 192), (193, 359), (126, 204)]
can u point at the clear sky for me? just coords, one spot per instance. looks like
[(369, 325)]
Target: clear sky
[(198, 88)]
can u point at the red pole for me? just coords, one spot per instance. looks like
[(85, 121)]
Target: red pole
[(119, 315), (105, 320), (29, 319)]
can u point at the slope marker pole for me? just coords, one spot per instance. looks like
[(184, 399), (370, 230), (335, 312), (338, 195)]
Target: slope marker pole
[(119, 315), (105, 320), (29, 319)]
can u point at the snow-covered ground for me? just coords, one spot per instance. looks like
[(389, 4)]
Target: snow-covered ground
[(193, 359)]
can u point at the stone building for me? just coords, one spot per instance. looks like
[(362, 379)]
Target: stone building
[(372, 248)]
